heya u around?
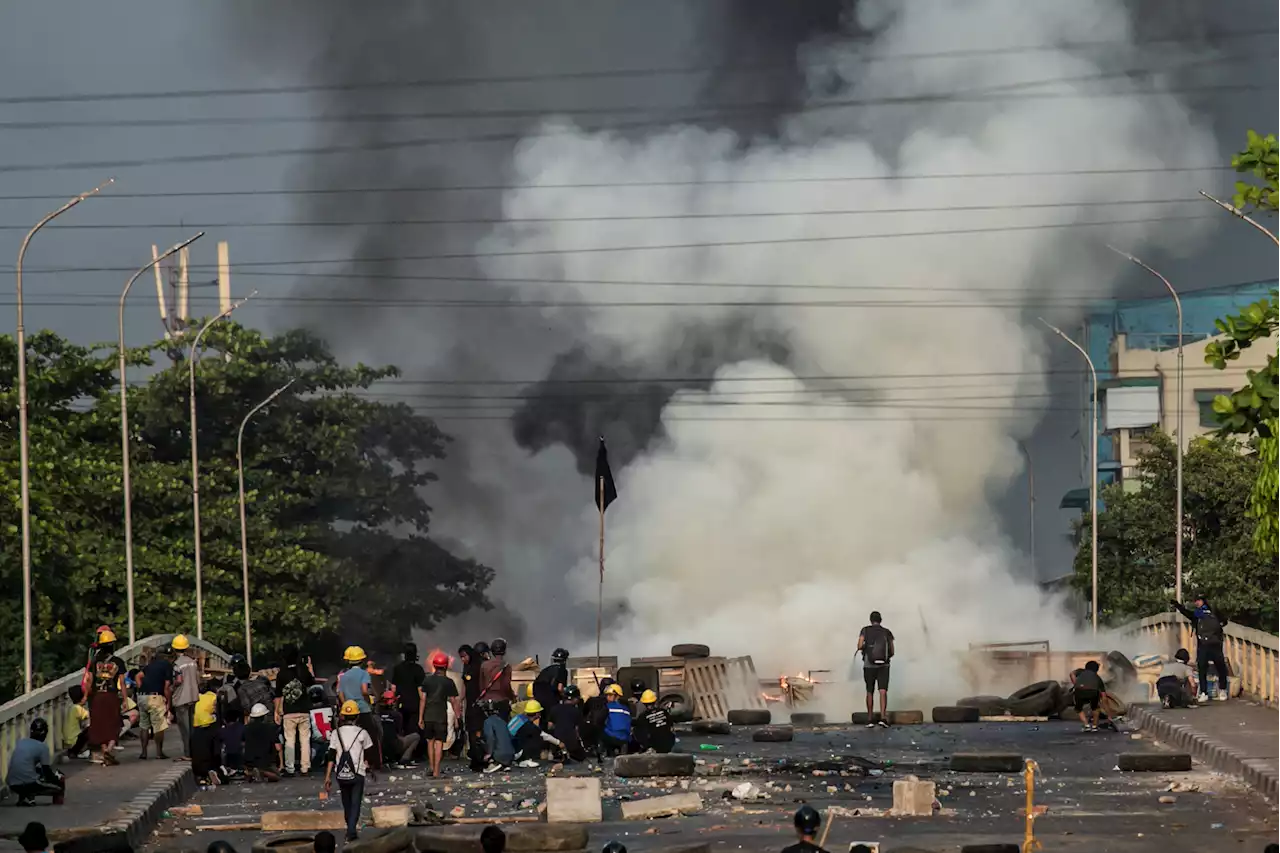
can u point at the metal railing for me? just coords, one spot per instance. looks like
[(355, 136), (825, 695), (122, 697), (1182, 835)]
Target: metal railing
[(1254, 655), (52, 702)]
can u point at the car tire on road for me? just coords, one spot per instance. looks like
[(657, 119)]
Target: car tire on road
[(862, 718), (751, 717), (712, 727), (773, 734), (678, 705), (955, 714), (988, 706), (285, 842), (690, 650), (464, 838), (806, 718), (1035, 700)]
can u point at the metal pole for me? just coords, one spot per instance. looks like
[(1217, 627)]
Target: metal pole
[(195, 463), (24, 437), (600, 592), (1093, 470), (124, 436), (244, 532), (1031, 506), (1177, 302)]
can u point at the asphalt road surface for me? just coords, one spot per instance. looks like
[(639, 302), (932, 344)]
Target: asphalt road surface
[(1090, 805)]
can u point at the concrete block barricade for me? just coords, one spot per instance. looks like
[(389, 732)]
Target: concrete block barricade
[(671, 764), (573, 799), (913, 797), (669, 806)]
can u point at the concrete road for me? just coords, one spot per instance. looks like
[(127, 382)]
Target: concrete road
[(1091, 806)]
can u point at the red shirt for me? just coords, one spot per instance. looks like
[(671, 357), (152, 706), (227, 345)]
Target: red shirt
[(495, 681)]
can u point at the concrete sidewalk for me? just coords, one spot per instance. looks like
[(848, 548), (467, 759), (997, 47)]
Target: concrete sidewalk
[(124, 800), (1237, 737)]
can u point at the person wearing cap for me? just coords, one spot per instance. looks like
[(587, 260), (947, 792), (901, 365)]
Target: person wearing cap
[(807, 821), (495, 679), (186, 690), (347, 762), (356, 685), (293, 709), (616, 736), (34, 838), (438, 694), (106, 699), (397, 739), (653, 729), (31, 772), (262, 745)]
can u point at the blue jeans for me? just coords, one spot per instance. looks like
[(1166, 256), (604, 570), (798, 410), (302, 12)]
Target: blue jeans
[(352, 796)]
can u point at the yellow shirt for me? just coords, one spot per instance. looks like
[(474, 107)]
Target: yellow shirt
[(77, 721), (206, 708)]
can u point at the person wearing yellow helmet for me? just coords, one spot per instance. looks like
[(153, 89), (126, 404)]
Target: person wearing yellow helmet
[(653, 730), (528, 736), (356, 685), (347, 761), (186, 690), (616, 737), (106, 698)]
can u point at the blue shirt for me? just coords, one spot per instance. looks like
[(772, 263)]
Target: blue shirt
[(618, 724), (349, 687), (25, 762), (497, 740)]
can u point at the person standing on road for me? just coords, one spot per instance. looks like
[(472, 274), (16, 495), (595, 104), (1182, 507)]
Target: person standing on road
[(807, 821), (293, 709), (155, 693), (495, 679), (355, 685), (407, 677), (876, 644), (106, 699), (1174, 686), (438, 693), (186, 690), (548, 687), (348, 745), (1210, 639)]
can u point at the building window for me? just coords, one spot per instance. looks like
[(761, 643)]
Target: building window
[(1204, 402)]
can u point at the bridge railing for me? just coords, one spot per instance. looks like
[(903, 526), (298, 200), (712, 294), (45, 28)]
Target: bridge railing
[(1254, 654), (53, 704)]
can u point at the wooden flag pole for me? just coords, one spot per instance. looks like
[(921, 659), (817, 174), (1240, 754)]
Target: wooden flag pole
[(600, 600)]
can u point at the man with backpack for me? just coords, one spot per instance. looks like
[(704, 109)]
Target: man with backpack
[(876, 644), (346, 763), (293, 709), (1208, 626)]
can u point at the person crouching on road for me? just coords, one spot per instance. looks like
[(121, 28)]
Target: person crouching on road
[(807, 821), (616, 737), (397, 742), (75, 728), (595, 711), (653, 730), (262, 745), (1088, 691), (528, 736), (500, 752), (31, 772), (206, 741), (348, 745), (565, 722), (1176, 685)]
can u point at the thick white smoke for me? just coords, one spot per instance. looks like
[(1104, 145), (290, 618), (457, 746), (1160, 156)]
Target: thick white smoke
[(789, 500)]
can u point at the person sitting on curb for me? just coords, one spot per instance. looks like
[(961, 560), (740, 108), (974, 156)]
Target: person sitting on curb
[(31, 772), (1176, 685)]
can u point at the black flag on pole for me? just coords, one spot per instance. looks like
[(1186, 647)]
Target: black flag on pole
[(610, 491)]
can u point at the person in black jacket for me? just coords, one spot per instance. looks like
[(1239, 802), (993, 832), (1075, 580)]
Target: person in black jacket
[(1208, 626), (566, 723)]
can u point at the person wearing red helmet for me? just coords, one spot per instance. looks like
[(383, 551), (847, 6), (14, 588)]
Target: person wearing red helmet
[(399, 742), (438, 692)]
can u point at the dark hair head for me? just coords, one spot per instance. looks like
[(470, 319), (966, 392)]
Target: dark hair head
[(493, 840), (324, 842), (221, 847), (105, 650), (1182, 655), (75, 693), (291, 655), (34, 837), (467, 650), (875, 617), (410, 651), (1092, 666)]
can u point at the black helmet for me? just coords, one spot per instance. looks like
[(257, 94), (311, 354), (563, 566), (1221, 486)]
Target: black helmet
[(487, 706), (481, 649), (316, 693), (560, 656), (240, 666), (807, 819), (39, 729), (614, 847), (498, 647), (572, 692), (605, 682), (637, 685)]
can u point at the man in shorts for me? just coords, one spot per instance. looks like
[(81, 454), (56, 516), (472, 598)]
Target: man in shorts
[(155, 692), (1088, 693), (876, 644), (438, 692)]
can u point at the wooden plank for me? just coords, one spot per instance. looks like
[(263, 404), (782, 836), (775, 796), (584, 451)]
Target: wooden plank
[(660, 661), (303, 821)]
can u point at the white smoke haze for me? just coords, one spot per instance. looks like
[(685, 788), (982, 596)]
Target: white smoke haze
[(782, 506)]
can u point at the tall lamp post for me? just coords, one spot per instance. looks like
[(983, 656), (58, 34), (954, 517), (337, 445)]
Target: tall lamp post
[(1031, 507), (1177, 556), (195, 461), (1093, 471), (244, 530), (124, 435), (24, 436)]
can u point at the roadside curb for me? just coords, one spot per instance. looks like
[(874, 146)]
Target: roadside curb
[(133, 822), (1214, 753)]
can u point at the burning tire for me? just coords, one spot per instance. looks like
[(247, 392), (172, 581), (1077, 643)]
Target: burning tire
[(751, 717), (690, 650), (1036, 700), (955, 714), (988, 706), (808, 719), (678, 705), (712, 727), (773, 734)]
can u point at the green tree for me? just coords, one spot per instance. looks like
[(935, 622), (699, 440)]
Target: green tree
[(1136, 537), (335, 482), (1259, 158)]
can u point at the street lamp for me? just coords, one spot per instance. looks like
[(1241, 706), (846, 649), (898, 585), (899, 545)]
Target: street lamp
[(1177, 557), (124, 435), (244, 532), (195, 460), (1093, 470), (24, 437)]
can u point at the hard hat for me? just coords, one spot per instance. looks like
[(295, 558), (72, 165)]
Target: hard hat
[(807, 819), (614, 847), (637, 685), (481, 648), (353, 654), (533, 706), (572, 692), (258, 710), (350, 709), (613, 690), (560, 656), (648, 697), (440, 660), (498, 647), (180, 643), (388, 696), (106, 636)]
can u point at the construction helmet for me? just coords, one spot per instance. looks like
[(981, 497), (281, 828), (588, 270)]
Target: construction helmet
[(481, 649), (440, 660), (560, 656), (106, 636), (571, 691), (316, 693), (180, 643), (533, 706), (353, 654), (498, 647), (807, 819), (614, 847), (613, 690), (648, 697), (637, 685), (349, 709)]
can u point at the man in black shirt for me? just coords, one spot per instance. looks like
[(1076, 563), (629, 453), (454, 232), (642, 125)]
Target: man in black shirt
[(876, 644), (652, 728), (1088, 691), (155, 691), (293, 709), (438, 693), (1210, 638), (548, 687), (407, 678), (807, 821), (565, 722), (262, 745)]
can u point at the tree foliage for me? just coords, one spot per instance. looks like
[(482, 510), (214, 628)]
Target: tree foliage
[(1136, 537), (335, 483), (1259, 158)]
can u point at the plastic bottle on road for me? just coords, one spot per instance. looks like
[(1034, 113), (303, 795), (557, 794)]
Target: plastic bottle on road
[(710, 747)]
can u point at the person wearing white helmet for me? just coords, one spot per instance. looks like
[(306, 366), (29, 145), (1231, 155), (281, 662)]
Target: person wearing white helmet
[(262, 745)]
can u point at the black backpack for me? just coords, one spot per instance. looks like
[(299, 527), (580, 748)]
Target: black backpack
[(345, 767), (1208, 629), (875, 644)]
